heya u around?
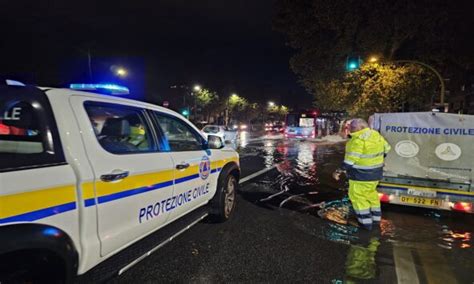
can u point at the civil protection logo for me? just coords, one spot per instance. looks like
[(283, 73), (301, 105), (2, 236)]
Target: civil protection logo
[(205, 167)]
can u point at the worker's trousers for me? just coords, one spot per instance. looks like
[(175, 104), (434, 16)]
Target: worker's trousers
[(365, 200)]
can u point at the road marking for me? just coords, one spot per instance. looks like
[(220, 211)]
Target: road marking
[(254, 175), (404, 265), (435, 266)]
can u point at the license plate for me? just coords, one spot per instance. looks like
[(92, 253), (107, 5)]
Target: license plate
[(417, 200), (421, 193)]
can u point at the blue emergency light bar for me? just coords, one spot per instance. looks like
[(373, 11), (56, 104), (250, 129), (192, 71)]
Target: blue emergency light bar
[(14, 83), (111, 89)]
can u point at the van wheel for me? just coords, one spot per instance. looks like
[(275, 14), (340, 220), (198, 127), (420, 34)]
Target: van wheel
[(223, 203)]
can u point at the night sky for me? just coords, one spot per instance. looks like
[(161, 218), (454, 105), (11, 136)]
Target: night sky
[(227, 46)]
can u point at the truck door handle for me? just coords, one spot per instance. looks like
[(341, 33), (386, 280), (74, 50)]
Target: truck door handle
[(182, 166), (114, 176)]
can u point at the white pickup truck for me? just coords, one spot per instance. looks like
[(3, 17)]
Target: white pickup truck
[(96, 181), (431, 161)]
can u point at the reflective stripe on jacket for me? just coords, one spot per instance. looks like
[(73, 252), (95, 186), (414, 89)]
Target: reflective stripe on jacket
[(364, 156)]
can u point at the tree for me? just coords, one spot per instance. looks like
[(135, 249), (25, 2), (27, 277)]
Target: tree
[(237, 102), (381, 88), (283, 111), (236, 106), (325, 32), (251, 112), (204, 97), (205, 101)]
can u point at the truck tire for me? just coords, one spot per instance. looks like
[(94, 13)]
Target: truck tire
[(223, 203), (32, 267)]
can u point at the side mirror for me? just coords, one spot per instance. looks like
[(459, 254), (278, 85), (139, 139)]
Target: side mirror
[(215, 142)]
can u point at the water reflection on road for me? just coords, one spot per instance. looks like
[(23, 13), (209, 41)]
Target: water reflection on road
[(438, 245)]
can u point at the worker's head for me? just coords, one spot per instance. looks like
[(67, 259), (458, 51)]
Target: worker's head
[(357, 124), (137, 130)]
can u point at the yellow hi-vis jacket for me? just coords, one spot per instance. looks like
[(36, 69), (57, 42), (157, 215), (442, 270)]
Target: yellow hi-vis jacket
[(365, 154)]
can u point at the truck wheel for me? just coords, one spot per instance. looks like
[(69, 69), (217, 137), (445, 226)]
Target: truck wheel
[(32, 267), (223, 203)]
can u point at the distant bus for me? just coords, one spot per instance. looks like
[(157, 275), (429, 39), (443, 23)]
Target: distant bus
[(300, 124)]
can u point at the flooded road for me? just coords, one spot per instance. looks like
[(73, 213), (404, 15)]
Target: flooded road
[(413, 245), (277, 234)]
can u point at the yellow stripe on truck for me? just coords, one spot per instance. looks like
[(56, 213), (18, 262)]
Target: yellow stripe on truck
[(15, 204), (192, 170), (136, 181), (88, 190), (42, 203)]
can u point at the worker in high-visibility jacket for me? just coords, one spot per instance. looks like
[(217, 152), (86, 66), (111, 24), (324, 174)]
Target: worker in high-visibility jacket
[(363, 164)]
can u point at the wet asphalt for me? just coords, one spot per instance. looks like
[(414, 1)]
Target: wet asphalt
[(277, 235)]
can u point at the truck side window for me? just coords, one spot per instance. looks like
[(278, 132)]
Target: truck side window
[(179, 135), (29, 136), (19, 133), (120, 129)]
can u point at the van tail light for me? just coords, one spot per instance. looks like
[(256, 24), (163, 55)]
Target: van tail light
[(383, 197), (462, 206)]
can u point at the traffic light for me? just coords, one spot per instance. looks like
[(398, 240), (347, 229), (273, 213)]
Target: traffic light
[(353, 63), (185, 112)]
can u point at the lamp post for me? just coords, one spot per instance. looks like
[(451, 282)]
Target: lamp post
[(440, 78), (188, 91), (196, 88), (271, 105), (227, 115)]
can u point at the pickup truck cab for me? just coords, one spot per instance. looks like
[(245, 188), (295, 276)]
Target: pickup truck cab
[(85, 177)]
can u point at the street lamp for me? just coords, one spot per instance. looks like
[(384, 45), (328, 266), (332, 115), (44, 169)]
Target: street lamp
[(271, 104), (373, 59), (197, 88), (121, 72)]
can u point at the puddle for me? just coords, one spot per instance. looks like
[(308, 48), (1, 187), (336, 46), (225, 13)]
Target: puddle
[(304, 186)]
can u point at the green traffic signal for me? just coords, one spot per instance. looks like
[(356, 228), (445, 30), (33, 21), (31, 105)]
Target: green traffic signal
[(185, 112), (352, 63)]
